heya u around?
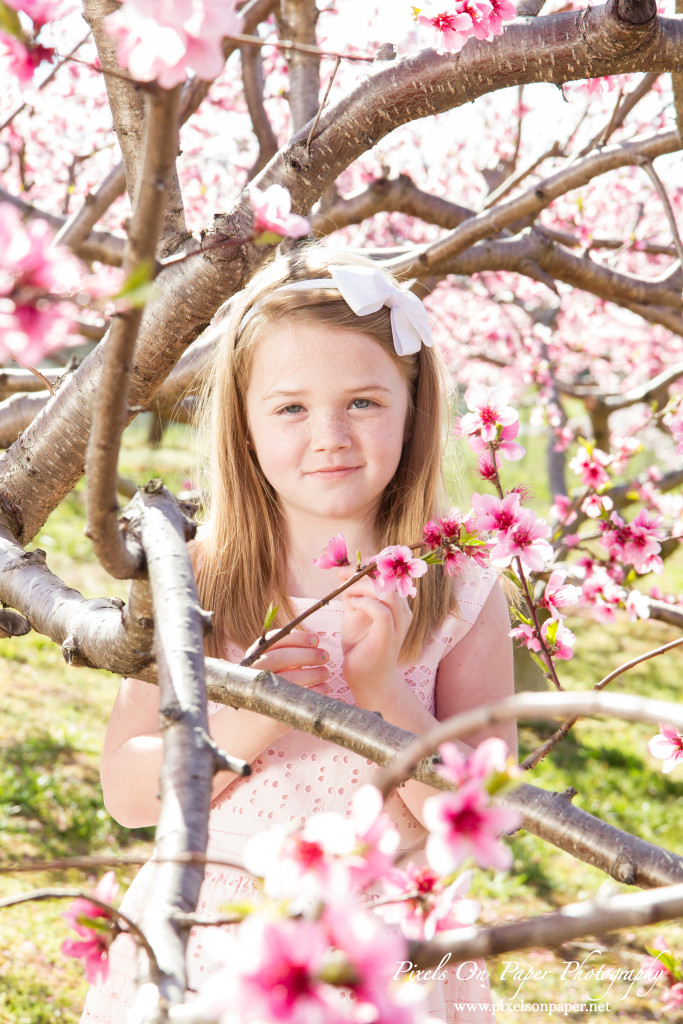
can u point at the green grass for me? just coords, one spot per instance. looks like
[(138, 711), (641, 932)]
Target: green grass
[(51, 732)]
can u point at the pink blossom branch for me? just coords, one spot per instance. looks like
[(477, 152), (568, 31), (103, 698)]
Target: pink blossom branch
[(537, 755), (38, 895), (552, 674)]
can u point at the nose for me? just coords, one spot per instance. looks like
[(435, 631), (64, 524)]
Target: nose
[(329, 432)]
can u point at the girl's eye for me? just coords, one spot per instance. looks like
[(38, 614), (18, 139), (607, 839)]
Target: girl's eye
[(291, 410), (361, 403)]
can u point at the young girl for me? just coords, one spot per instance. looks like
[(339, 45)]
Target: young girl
[(326, 418)]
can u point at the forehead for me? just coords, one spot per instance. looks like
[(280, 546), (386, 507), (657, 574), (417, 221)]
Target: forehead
[(295, 355)]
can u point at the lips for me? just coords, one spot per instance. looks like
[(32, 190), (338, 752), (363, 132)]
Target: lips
[(332, 472)]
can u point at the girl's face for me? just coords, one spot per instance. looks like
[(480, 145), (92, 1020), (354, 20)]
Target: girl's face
[(327, 417)]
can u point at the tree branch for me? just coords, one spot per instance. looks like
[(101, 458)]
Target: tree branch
[(252, 80), (188, 758), (110, 413), (590, 917), (529, 203), (296, 21)]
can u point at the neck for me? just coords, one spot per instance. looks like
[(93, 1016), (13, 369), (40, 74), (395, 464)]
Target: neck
[(306, 540)]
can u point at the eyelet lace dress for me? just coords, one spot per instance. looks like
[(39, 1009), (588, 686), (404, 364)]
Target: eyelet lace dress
[(297, 776)]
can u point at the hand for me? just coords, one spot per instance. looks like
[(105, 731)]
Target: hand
[(297, 658), (373, 630)]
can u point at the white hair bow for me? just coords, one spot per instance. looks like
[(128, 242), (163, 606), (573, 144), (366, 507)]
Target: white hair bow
[(366, 290)]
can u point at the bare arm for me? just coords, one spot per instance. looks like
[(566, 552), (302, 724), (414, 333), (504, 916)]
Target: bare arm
[(132, 751)]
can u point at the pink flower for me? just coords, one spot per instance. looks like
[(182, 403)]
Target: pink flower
[(559, 640), (526, 541), (335, 554), (369, 946), (164, 41), (636, 542), (488, 758), (489, 411), (667, 745), (674, 421), (39, 11), (595, 504), (433, 907), (274, 975), (558, 595), (527, 637), (462, 825), (502, 11), (396, 568), (96, 927), (272, 213), (591, 466), (561, 511), (637, 606), (673, 998), (479, 12), (495, 513), (451, 30), (21, 58)]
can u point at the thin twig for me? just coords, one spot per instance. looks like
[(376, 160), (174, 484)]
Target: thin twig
[(36, 373), (70, 894), (649, 169), (322, 105), (544, 749), (122, 860)]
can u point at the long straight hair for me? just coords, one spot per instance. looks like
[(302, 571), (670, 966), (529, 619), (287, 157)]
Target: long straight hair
[(240, 553)]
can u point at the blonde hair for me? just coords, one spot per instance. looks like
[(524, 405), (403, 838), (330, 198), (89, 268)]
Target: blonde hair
[(240, 554)]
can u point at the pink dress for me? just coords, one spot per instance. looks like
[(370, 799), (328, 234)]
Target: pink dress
[(297, 776)]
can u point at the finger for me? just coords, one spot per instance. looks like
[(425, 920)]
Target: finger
[(280, 659), (307, 677)]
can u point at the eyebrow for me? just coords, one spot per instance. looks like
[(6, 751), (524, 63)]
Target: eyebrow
[(283, 393)]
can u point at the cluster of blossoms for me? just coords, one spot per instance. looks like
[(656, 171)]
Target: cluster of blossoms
[(454, 23), (35, 276), (164, 42), (96, 927), (517, 536), (314, 939)]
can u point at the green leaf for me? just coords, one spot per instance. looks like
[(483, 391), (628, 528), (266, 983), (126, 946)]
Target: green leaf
[(551, 632), (270, 616), (511, 575), (9, 22), (138, 286), (539, 661)]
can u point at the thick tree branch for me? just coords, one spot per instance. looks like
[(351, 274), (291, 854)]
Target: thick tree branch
[(529, 203), (399, 194), (557, 48), (90, 632), (188, 759), (110, 414)]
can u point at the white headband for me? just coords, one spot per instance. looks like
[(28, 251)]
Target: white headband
[(365, 290)]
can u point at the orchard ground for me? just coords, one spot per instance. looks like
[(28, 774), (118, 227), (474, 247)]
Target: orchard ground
[(51, 732)]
